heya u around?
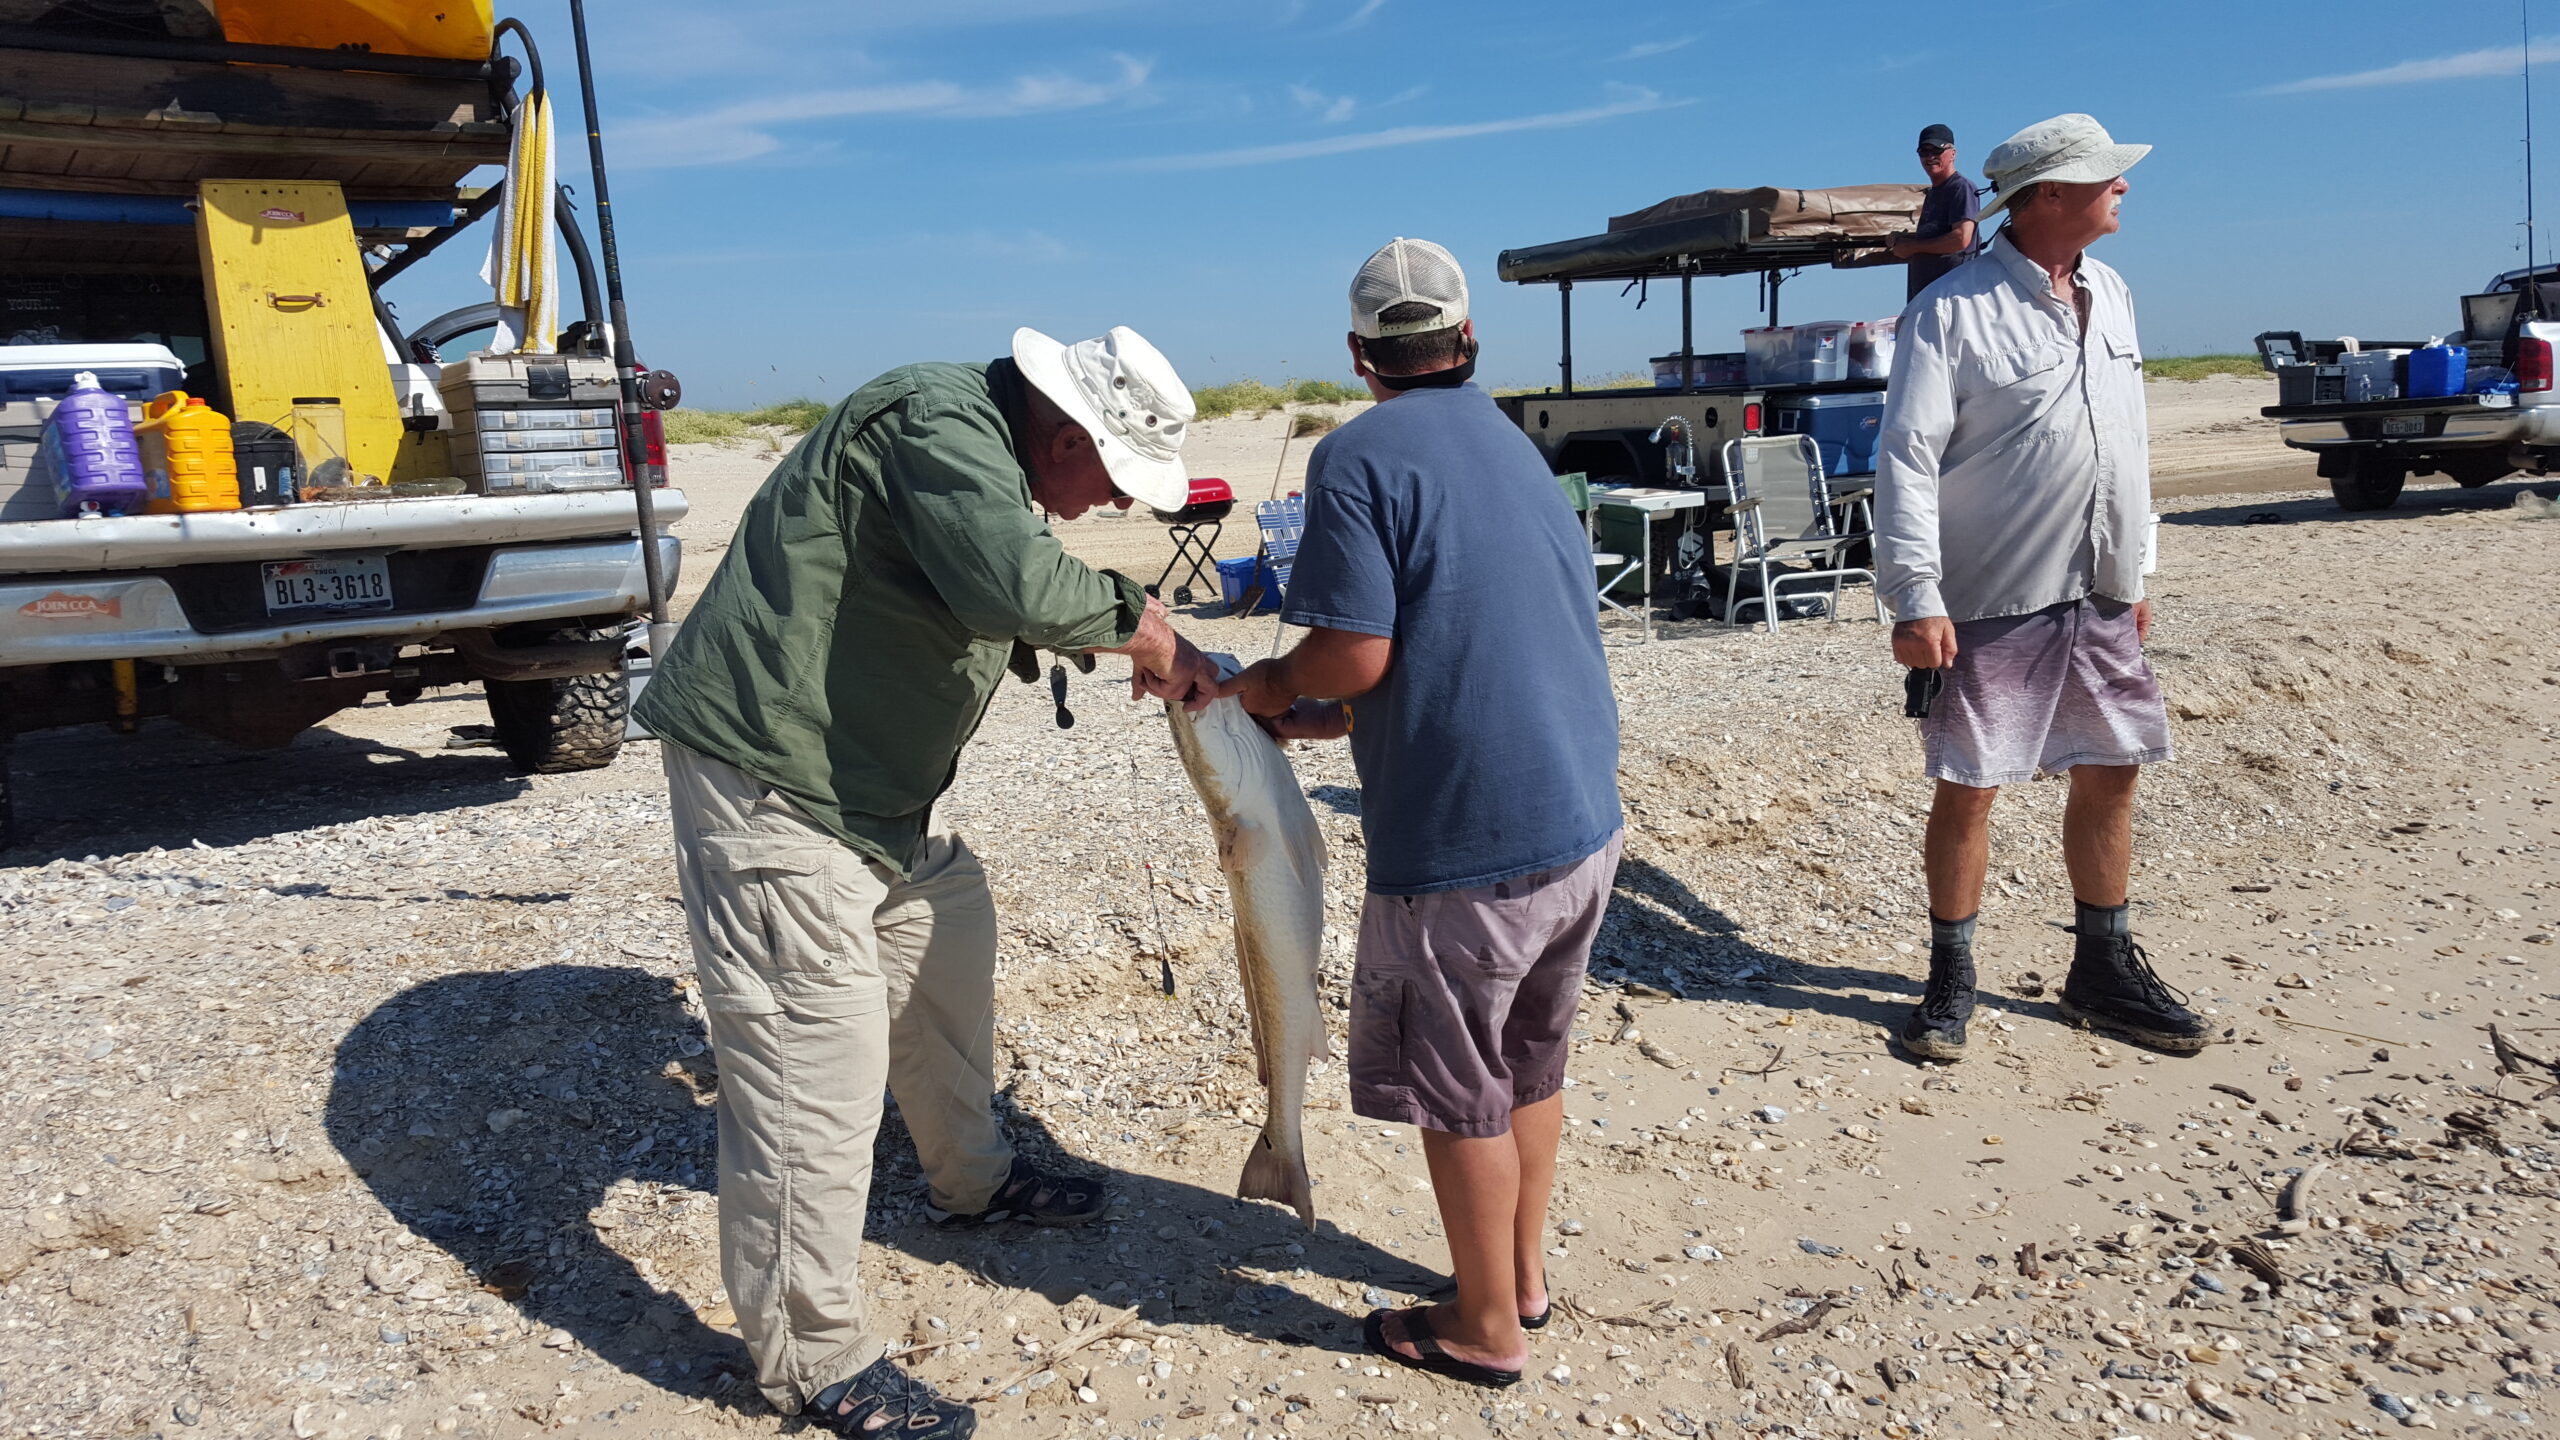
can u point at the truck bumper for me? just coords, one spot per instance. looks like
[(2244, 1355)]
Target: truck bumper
[(71, 616), (2486, 429)]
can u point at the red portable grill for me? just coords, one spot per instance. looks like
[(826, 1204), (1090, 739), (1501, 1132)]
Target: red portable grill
[(1195, 529)]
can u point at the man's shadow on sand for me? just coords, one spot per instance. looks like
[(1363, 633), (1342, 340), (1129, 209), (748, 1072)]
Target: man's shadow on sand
[(1661, 933), (607, 1080)]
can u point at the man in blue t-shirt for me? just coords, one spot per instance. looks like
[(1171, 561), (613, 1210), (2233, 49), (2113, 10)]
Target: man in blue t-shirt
[(1453, 636), (1949, 215)]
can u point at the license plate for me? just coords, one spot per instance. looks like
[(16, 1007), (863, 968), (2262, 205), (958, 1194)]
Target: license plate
[(357, 583), (2404, 425)]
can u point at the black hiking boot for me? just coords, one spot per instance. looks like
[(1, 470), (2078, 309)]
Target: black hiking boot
[(1935, 1030), (2113, 987)]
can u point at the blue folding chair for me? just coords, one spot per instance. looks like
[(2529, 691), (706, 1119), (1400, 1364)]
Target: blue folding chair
[(1282, 522)]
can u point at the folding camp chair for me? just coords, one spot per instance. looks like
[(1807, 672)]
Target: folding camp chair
[(1281, 523), (1782, 510), (1611, 566)]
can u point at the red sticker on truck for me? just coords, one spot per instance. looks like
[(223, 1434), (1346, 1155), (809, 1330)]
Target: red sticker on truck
[(69, 605), (282, 216)]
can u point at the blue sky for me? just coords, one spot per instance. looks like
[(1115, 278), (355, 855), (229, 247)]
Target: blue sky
[(811, 191)]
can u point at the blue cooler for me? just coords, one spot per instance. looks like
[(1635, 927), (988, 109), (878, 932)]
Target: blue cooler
[(1237, 576), (1845, 426)]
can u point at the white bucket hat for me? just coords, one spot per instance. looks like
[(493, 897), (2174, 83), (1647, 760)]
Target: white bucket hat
[(1124, 393), (2072, 149)]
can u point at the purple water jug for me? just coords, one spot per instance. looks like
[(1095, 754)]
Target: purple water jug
[(89, 445)]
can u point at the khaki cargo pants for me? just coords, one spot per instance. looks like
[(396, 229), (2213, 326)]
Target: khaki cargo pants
[(827, 977)]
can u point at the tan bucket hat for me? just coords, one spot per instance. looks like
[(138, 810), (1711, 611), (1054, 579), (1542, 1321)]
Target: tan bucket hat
[(1127, 397), (2073, 149)]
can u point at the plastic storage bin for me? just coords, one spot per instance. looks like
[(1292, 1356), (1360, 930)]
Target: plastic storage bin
[(1871, 348), (2373, 374), (33, 380), (1844, 426), (1237, 576), (1822, 351), (2437, 370), (1723, 368), (1769, 356), (2311, 384)]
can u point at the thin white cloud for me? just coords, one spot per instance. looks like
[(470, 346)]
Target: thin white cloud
[(2469, 65), (1647, 49), (746, 130), (1332, 109), (1368, 10), (1636, 104)]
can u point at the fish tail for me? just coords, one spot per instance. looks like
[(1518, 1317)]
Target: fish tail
[(1270, 1174)]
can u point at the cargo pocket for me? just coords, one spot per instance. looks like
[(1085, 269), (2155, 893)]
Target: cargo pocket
[(1378, 1007), (773, 915)]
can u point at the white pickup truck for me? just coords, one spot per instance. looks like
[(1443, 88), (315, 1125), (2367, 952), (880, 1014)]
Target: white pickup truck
[(254, 624), (2368, 448)]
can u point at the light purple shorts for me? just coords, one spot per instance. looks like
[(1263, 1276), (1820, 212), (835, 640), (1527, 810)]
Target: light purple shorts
[(1462, 1001), (2036, 694)]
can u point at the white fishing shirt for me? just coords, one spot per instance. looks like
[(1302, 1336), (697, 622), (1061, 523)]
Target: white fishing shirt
[(2014, 467)]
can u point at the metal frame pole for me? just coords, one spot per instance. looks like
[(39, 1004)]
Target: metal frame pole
[(1564, 289), (1688, 345), (634, 442)]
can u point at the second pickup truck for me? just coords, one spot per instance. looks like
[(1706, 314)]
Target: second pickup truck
[(2368, 448)]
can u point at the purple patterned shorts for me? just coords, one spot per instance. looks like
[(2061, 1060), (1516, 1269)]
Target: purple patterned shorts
[(2032, 695)]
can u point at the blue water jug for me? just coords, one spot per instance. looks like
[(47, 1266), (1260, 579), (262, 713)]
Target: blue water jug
[(90, 447), (2437, 370)]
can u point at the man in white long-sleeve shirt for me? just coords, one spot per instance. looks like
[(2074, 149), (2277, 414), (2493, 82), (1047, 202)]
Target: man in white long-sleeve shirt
[(2013, 484)]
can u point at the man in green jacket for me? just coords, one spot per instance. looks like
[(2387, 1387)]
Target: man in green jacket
[(813, 709)]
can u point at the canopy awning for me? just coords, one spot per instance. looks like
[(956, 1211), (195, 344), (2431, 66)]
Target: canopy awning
[(1730, 232)]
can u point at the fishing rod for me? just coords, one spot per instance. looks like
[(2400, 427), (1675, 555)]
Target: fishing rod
[(625, 362), (2532, 278)]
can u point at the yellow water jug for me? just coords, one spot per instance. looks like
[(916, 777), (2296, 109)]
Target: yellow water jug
[(454, 30), (186, 451)]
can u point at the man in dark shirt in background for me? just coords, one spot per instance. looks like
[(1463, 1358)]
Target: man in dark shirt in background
[(1945, 236)]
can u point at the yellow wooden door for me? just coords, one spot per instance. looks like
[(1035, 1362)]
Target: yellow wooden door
[(292, 315)]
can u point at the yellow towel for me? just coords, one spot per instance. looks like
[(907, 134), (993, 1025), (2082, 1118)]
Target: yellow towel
[(523, 264)]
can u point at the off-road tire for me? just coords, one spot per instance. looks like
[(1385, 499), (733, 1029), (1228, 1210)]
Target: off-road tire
[(2370, 483), (8, 801), (551, 727)]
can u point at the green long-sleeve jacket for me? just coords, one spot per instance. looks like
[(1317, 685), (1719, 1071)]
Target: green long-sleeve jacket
[(851, 638)]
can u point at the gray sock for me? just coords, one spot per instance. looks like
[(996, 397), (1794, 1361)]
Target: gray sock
[(1952, 934), (2104, 919)]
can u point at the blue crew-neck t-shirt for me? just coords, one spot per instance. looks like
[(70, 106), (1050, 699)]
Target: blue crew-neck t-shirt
[(1490, 749)]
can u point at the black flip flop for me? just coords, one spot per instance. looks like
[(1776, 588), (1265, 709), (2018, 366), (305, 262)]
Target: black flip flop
[(1539, 1320), (1434, 1360)]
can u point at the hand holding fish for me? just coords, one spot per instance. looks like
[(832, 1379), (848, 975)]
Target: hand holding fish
[(1306, 720), (1265, 691), (1165, 665)]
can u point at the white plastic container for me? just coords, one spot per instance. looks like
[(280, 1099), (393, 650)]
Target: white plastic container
[(1871, 348), (1769, 355), (1822, 351)]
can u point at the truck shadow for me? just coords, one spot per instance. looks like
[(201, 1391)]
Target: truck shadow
[(585, 1095), (93, 792), (2426, 497)]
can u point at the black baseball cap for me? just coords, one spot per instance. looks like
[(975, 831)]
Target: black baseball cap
[(1937, 137)]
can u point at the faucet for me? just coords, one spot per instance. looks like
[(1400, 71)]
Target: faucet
[(1684, 449)]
